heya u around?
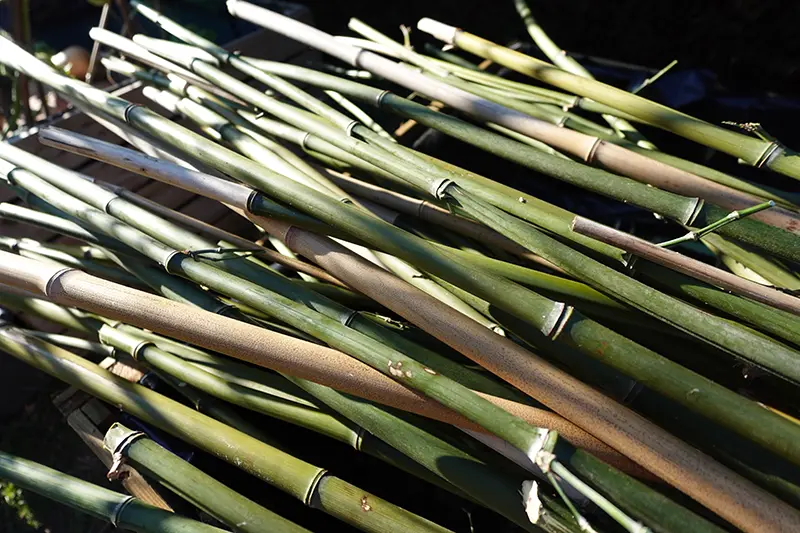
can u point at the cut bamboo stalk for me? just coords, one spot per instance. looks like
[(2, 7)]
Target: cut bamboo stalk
[(689, 380), (312, 485), (753, 151), (121, 510), (686, 265), (192, 484), (249, 343)]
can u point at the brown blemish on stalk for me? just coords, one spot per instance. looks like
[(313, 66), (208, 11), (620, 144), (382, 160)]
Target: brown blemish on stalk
[(365, 506), (602, 348)]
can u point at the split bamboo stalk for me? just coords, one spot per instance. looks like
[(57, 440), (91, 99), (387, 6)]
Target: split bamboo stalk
[(753, 151), (686, 265), (121, 510)]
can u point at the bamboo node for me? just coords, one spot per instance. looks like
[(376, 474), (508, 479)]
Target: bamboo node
[(380, 97), (117, 512), (531, 501), (439, 187)]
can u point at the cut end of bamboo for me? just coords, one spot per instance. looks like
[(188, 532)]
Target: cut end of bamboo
[(440, 30), (531, 501)]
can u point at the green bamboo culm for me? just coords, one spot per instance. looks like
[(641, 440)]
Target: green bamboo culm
[(310, 484), (386, 359), (242, 169), (752, 151), (192, 484), (122, 511), (471, 477)]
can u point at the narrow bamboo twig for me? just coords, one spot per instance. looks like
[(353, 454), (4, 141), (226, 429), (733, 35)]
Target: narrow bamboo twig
[(310, 484), (120, 510), (733, 216), (564, 61), (192, 484), (686, 265), (752, 151)]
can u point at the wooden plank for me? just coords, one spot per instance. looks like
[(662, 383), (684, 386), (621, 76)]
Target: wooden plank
[(135, 484)]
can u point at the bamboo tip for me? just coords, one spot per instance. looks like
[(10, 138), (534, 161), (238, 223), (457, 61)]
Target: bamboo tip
[(443, 32)]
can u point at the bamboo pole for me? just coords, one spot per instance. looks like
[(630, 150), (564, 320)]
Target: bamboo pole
[(687, 265), (753, 151), (630, 365), (247, 343), (120, 510), (244, 172), (193, 485), (312, 485)]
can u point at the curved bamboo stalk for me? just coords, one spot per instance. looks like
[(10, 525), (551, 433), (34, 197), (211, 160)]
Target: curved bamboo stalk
[(687, 265), (756, 152), (564, 61), (312, 485), (121, 510)]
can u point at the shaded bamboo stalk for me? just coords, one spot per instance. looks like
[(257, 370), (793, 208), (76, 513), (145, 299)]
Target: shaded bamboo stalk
[(753, 151), (123, 511), (687, 265), (310, 484), (191, 484)]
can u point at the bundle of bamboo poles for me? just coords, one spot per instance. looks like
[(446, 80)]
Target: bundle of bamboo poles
[(555, 372)]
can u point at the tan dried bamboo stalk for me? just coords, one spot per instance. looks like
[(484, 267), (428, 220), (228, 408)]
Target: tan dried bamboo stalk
[(261, 347), (687, 265), (653, 448)]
